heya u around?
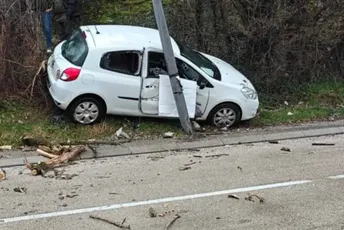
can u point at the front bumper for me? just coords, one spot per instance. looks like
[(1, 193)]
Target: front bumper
[(250, 109)]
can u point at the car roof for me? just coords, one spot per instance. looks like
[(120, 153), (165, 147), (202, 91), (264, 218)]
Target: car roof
[(128, 37)]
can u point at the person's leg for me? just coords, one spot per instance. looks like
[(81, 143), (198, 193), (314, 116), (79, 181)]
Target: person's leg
[(47, 24)]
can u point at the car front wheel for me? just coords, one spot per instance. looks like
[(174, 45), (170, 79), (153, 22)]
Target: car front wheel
[(86, 111), (225, 115)]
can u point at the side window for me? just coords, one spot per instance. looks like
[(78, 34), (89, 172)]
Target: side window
[(157, 65), (187, 72), (126, 62)]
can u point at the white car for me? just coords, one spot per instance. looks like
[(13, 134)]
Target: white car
[(110, 69)]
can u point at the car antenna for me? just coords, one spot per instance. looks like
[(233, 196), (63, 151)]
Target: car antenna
[(97, 31)]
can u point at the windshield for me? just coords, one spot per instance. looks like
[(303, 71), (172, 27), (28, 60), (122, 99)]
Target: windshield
[(75, 49), (201, 61)]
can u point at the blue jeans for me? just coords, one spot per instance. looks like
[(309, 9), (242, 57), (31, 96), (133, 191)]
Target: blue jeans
[(47, 28)]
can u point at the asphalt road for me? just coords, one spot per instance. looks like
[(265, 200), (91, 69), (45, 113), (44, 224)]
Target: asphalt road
[(302, 189)]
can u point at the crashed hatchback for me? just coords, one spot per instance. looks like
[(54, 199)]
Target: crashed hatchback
[(121, 70)]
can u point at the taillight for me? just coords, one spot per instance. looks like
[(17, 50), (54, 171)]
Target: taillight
[(84, 34), (70, 74)]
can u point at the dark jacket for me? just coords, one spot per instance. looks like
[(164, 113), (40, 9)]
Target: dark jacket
[(42, 5), (71, 8)]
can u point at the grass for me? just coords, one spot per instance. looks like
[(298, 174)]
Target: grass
[(317, 102)]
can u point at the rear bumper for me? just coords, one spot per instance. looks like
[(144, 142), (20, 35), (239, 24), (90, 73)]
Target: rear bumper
[(58, 90)]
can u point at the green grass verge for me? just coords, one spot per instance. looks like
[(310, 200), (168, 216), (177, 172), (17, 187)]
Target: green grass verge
[(317, 102)]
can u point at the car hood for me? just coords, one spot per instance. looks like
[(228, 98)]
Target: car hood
[(228, 73)]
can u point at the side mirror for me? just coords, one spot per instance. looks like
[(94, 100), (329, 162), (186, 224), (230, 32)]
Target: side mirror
[(202, 84)]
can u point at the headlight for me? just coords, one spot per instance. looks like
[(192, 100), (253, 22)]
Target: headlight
[(249, 93)]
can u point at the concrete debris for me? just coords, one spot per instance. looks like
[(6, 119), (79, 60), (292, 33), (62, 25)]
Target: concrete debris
[(120, 133), (224, 129), (168, 135)]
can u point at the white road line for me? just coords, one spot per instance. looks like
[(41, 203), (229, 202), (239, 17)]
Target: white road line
[(336, 177), (149, 202)]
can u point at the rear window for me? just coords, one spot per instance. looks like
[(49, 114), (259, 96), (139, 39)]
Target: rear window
[(75, 49)]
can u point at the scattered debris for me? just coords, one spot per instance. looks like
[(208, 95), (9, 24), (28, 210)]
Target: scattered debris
[(168, 135), (197, 127), (224, 129), (240, 168), (233, 196), (5, 147), (72, 195), (156, 158), (94, 150), (274, 142), (120, 133), (285, 149), (311, 152), (217, 155), (184, 168), (2, 174), (152, 212), (119, 225), (252, 195), (197, 156), (286, 103), (218, 218), (189, 164), (64, 205), (172, 222), (115, 193), (20, 189), (290, 114), (323, 144), (40, 167)]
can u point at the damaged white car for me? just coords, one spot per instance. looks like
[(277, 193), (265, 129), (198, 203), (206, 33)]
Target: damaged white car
[(115, 69)]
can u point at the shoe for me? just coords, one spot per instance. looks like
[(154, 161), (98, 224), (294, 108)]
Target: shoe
[(49, 51)]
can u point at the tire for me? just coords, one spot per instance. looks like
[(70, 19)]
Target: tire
[(233, 112), (91, 110)]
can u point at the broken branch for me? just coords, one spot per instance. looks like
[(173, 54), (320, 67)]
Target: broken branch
[(172, 222), (323, 144), (119, 225), (46, 154), (217, 155)]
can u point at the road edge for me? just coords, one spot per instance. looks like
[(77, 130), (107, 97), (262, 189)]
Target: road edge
[(132, 149)]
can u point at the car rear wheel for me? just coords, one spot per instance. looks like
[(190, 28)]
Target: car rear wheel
[(225, 115), (87, 111)]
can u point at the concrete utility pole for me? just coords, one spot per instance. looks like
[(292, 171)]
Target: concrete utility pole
[(172, 66)]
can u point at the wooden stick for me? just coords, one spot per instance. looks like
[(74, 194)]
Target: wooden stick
[(42, 67), (172, 222), (217, 155), (111, 222), (45, 154), (323, 144)]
